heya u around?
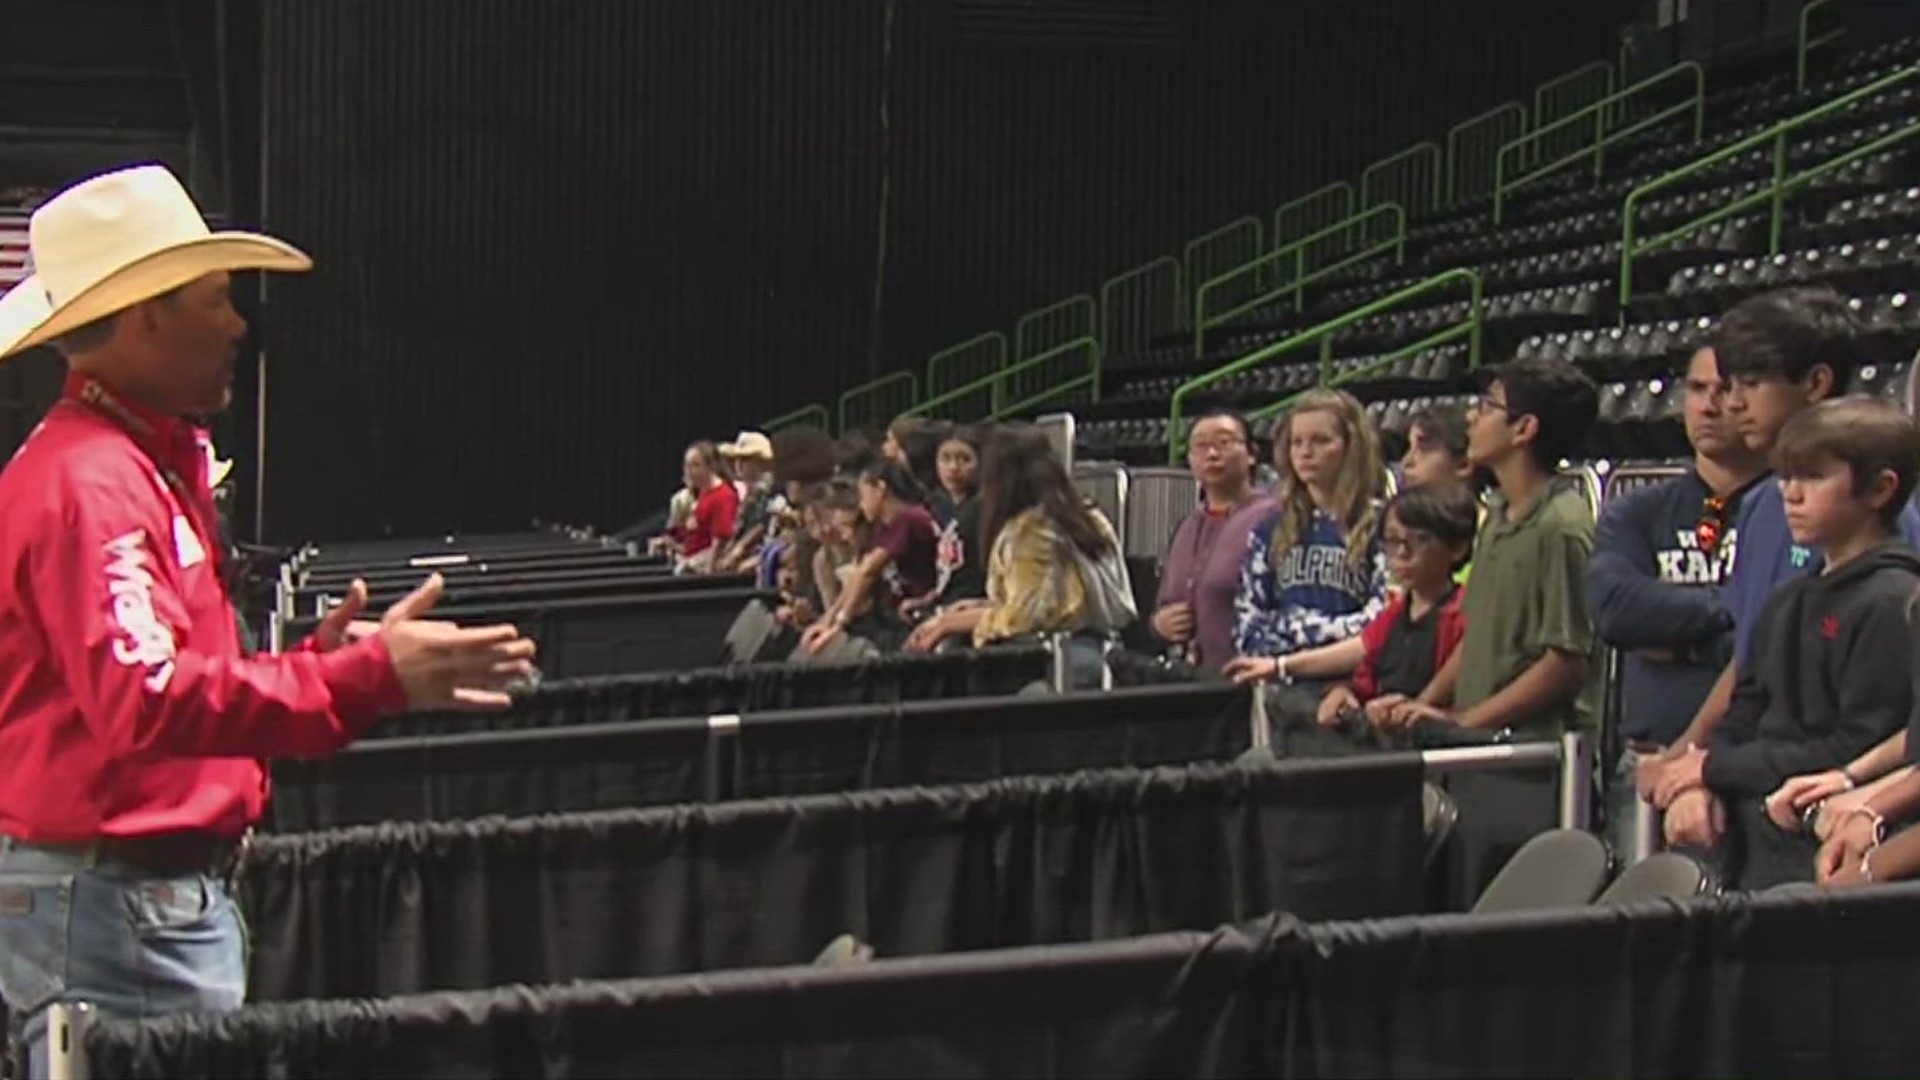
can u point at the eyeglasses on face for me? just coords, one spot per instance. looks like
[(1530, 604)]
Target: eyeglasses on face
[(1219, 444), (1407, 544), (1487, 403)]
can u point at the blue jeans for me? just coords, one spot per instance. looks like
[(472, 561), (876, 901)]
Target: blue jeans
[(73, 928)]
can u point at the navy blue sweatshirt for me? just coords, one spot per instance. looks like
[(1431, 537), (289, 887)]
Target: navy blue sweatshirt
[(1768, 557), (1650, 586), (1831, 675)]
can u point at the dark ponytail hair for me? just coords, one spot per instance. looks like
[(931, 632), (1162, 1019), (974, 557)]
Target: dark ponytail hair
[(899, 480)]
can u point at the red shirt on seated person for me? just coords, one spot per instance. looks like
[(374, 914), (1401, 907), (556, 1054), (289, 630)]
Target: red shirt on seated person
[(716, 509), (1428, 536)]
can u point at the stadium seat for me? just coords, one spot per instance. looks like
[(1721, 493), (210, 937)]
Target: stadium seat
[(1560, 868), (1665, 875)]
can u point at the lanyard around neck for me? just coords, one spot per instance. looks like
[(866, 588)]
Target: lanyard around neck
[(137, 428)]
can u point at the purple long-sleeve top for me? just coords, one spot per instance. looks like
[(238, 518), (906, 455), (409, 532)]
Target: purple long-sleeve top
[(1203, 569)]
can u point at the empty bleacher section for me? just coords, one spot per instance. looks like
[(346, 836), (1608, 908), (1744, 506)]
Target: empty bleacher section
[(633, 869)]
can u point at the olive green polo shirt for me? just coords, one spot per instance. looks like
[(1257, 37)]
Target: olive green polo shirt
[(1528, 595)]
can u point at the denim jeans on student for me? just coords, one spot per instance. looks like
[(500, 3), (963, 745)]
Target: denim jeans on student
[(131, 944)]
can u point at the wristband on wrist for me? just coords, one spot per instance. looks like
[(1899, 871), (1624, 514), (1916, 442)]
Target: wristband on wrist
[(1879, 823), (1866, 866), (1280, 671), (1847, 775)]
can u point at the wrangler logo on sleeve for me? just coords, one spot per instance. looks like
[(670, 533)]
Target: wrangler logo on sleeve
[(147, 642)]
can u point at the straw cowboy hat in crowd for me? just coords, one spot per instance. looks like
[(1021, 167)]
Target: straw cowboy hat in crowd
[(748, 444), (114, 240)]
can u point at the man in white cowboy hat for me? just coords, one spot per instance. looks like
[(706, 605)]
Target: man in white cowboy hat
[(750, 455), (132, 727)]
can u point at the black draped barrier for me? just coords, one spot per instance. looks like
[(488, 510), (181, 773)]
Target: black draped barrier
[(625, 763), (1771, 985), (741, 688), (946, 742), (544, 585), (539, 771), (1027, 860), (608, 635)]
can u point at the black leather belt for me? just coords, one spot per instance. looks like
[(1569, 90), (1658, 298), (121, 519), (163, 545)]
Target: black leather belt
[(161, 854)]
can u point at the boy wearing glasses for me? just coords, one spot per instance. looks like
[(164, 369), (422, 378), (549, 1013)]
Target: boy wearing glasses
[(1659, 555), (1526, 661), (1780, 353)]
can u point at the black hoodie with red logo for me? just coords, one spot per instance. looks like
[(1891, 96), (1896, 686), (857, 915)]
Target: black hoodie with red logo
[(1829, 676)]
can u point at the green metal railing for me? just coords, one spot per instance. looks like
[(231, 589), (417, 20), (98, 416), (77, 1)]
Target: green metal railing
[(806, 415), (1024, 381), (1043, 328), (1295, 257), (1775, 192), (1322, 336), (878, 400), (1604, 136), (1140, 304), (1471, 147), (978, 356), (1571, 93), (1411, 178), (1312, 212), (1222, 249), (1809, 41)]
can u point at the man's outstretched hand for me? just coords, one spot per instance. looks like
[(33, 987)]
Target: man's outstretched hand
[(441, 665)]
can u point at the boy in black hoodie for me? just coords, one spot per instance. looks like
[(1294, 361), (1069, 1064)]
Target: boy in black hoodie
[(1831, 672)]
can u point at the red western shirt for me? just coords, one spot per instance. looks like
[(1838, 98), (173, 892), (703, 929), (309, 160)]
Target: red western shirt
[(126, 705)]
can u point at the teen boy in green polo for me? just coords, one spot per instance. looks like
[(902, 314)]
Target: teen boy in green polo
[(1527, 662)]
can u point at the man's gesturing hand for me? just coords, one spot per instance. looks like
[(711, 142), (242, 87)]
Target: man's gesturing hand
[(443, 666)]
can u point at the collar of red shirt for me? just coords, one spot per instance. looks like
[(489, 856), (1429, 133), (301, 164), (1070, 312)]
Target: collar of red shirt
[(175, 443)]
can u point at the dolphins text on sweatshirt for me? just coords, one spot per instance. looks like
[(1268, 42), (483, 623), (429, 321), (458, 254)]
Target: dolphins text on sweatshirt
[(1314, 597)]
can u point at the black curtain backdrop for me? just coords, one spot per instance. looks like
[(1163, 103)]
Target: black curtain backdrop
[(556, 242), (1770, 985), (659, 762), (1094, 855)]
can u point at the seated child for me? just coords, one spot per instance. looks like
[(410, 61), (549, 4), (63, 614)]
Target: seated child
[(1429, 535)]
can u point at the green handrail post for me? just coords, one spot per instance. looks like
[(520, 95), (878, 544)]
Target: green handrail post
[(1419, 194), (1695, 102), (798, 417), (1203, 244), (1774, 194), (1548, 106), (1110, 308), (995, 381), (1322, 335), (1089, 379), (1296, 253), (1807, 42), (1081, 304), (1494, 120), (1338, 194), (938, 362), (872, 389)]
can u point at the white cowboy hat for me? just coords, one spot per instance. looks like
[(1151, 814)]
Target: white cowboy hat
[(111, 241), (748, 444)]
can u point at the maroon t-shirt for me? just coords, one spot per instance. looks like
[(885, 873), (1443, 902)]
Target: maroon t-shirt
[(912, 539)]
